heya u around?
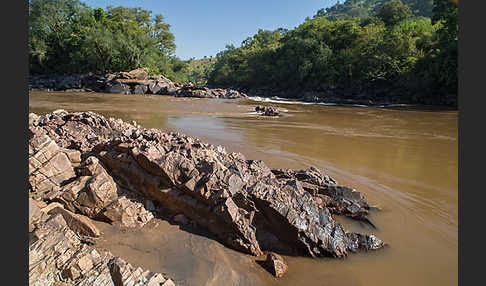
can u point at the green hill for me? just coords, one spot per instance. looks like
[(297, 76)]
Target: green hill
[(366, 8)]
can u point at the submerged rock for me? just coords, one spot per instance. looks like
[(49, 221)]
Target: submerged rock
[(267, 110), (242, 202)]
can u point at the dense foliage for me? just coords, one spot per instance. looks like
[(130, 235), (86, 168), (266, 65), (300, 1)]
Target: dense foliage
[(199, 70), (416, 57), (66, 36), (365, 8)]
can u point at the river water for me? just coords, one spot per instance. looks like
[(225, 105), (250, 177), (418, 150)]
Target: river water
[(404, 161)]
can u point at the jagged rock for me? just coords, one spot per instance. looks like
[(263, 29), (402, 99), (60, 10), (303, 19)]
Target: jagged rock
[(363, 242), (124, 212), (275, 264), (338, 199), (49, 166), (140, 89), (91, 192), (74, 156), (241, 201), (78, 223), (57, 256), (123, 274), (267, 110)]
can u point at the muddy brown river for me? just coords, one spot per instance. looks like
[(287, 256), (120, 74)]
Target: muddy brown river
[(404, 161)]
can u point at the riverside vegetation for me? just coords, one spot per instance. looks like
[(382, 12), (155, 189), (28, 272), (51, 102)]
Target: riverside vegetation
[(383, 52), (369, 50)]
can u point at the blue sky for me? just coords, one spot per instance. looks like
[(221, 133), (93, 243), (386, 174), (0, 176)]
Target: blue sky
[(203, 28)]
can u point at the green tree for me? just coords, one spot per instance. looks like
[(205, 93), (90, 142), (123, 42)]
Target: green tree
[(66, 36), (394, 12)]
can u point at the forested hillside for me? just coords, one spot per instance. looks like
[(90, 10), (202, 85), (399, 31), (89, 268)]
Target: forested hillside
[(388, 55), (366, 8)]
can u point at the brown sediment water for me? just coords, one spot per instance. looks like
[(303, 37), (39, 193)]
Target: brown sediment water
[(404, 161)]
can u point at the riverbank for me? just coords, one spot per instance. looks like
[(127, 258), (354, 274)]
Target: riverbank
[(133, 82), (139, 82), (385, 95)]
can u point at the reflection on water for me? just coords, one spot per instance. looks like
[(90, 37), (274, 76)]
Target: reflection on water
[(404, 161)]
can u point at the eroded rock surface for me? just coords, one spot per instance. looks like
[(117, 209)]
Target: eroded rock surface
[(58, 256), (242, 202), (338, 199)]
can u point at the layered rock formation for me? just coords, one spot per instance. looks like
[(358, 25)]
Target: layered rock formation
[(60, 256), (134, 82), (242, 202)]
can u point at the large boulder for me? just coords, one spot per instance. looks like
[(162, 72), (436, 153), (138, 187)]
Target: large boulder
[(190, 90), (118, 88), (140, 73), (158, 87)]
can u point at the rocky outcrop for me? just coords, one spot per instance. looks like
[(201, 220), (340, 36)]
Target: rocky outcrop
[(242, 202), (190, 90), (59, 256), (267, 110), (56, 174), (338, 199), (133, 82)]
